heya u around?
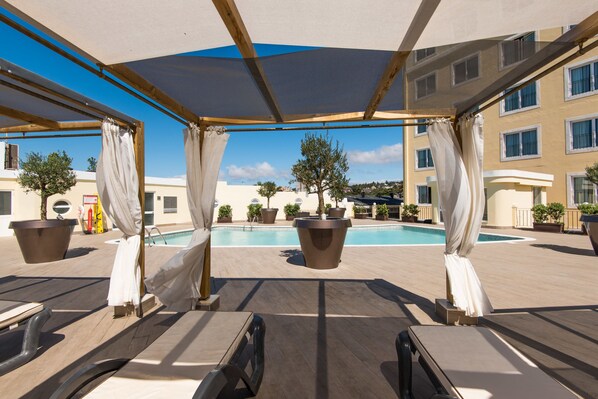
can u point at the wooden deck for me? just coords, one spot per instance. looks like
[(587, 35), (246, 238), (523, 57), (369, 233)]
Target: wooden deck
[(330, 334)]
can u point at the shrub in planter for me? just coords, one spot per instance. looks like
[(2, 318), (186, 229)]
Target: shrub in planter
[(542, 213), (382, 212), (291, 211), (590, 220), (409, 213), (254, 210), (360, 212), (225, 214), (588, 209)]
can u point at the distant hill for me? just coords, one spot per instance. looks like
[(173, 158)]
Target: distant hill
[(377, 189)]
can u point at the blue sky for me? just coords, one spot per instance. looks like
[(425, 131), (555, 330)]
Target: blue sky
[(374, 154)]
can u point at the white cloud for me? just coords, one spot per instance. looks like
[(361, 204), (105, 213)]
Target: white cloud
[(384, 154), (259, 170)]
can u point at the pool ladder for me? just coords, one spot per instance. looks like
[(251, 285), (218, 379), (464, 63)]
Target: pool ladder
[(149, 230), (253, 219)]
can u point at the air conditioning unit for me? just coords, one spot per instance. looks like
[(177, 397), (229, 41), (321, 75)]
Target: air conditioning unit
[(11, 156)]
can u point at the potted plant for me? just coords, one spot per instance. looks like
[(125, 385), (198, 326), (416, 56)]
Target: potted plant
[(268, 189), (382, 212), (254, 211), (291, 211), (225, 214), (337, 193), (547, 217), (360, 212), (321, 166), (45, 240), (590, 220), (409, 213)]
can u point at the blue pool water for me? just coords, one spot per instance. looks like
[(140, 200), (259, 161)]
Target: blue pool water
[(287, 236)]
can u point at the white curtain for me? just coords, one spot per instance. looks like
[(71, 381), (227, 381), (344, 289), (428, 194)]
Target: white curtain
[(118, 188), (176, 284), (461, 196)]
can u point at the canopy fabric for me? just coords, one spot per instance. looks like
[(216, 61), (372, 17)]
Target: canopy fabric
[(176, 283), (461, 196), (113, 31), (118, 188)]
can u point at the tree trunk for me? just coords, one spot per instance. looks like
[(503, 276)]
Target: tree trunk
[(321, 202), (43, 212)]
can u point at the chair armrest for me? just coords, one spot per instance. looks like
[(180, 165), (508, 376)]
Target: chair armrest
[(86, 375)]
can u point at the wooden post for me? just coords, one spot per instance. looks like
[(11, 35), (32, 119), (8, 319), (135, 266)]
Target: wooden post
[(139, 144), (205, 290)]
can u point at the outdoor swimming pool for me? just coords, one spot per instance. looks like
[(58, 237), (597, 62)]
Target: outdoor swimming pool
[(237, 236)]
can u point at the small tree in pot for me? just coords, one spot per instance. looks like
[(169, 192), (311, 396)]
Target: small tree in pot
[(45, 240), (268, 190), (337, 193), (590, 212), (321, 167)]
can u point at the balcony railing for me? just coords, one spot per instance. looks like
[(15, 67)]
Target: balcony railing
[(523, 218)]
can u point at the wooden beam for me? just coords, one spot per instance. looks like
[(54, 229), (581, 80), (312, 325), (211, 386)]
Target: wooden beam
[(418, 24), (139, 147), (62, 127), (569, 40), (234, 23), (27, 117)]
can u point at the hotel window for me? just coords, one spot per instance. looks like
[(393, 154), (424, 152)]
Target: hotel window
[(424, 159), (582, 79), (466, 70), (170, 204), (424, 195), (517, 49), (424, 53), (521, 144), (425, 86), (582, 135), (5, 203), (583, 190), (422, 129), (520, 99)]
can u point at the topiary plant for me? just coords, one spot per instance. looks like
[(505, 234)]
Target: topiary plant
[(540, 213), (225, 211), (555, 211), (46, 176), (267, 189)]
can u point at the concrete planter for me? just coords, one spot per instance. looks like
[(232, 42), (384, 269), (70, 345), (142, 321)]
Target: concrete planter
[(409, 219), (269, 215), (336, 212), (361, 216), (591, 224), (549, 227), (322, 241), (43, 240), (226, 219)]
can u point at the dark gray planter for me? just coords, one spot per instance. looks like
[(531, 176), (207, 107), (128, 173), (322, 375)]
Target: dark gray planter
[(409, 219), (361, 216), (290, 217), (337, 212), (381, 217), (43, 240), (269, 215), (549, 227), (591, 224), (302, 215), (225, 219), (322, 241)]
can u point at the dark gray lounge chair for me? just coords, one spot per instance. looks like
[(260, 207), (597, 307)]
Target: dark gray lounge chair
[(14, 314), (472, 362), (200, 356)]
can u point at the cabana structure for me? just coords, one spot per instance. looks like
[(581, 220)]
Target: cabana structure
[(338, 61)]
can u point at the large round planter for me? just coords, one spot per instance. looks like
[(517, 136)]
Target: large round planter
[(549, 227), (336, 212), (591, 223), (269, 215), (322, 241), (43, 240)]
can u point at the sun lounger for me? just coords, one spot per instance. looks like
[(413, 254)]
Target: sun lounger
[(200, 356), (14, 314), (472, 362)]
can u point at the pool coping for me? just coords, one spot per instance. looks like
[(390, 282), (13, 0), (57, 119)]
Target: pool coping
[(376, 226)]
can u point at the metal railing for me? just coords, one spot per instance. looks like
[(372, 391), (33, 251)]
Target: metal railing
[(149, 230)]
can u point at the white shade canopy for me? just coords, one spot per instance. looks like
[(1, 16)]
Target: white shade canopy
[(113, 31)]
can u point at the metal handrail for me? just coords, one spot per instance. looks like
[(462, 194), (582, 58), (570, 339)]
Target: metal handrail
[(251, 220), (149, 234)]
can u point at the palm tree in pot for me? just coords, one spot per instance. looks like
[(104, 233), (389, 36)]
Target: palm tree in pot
[(321, 167), (45, 240), (590, 221), (268, 189)]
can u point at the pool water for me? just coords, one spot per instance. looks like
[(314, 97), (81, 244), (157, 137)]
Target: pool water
[(236, 236)]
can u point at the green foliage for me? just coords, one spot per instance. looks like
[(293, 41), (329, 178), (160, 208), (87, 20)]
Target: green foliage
[(327, 207), (382, 209), (378, 189), (291, 209), (92, 164), (588, 209), (540, 213), (46, 176), (409, 210), (337, 190), (225, 211), (592, 173), (359, 209), (254, 210), (555, 211), (322, 167), (267, 189)]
